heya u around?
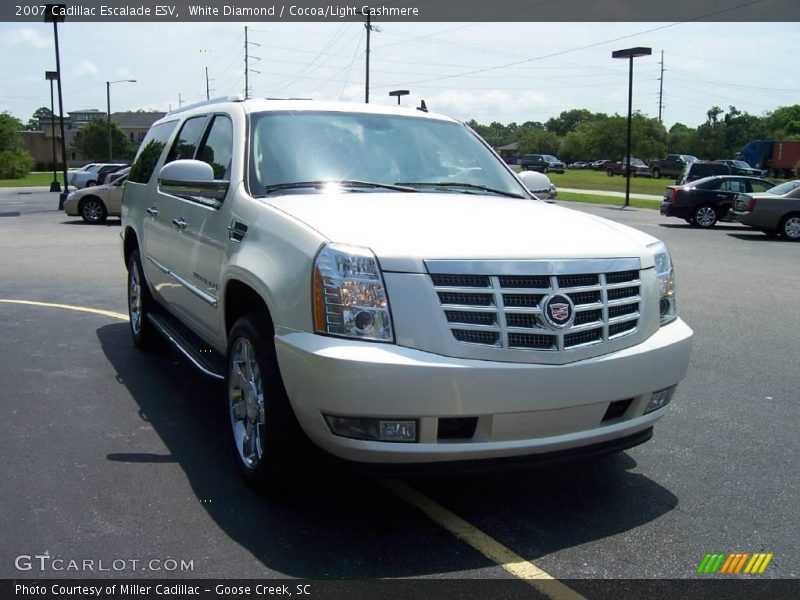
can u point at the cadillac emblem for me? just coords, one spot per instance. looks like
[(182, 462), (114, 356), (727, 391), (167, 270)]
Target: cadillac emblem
[(558, 311)]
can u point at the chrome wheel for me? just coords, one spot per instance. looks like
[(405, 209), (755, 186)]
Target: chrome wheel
[(135, 300), (246, 403), (705, 216), (791, 228)]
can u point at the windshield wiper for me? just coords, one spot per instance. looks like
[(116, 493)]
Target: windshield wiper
[(455, 184), (342, 182)]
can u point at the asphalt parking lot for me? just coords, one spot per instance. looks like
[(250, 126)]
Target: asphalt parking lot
[(109, 453)]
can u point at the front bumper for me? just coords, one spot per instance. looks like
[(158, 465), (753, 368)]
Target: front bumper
[(522, 409)]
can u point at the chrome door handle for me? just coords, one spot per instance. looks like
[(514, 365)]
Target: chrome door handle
[(179, 223), (152, 211)]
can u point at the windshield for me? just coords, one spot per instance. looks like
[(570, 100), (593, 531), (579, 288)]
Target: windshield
[(303, 147), (740, 163), (784, 188), (550, 158)]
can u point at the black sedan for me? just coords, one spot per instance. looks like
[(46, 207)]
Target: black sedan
[(705, 201)]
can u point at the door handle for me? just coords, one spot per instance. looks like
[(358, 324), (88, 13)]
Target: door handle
[(179, 223), (152, 211)]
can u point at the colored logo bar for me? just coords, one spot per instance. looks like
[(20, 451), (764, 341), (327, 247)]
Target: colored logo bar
[(734, 563)]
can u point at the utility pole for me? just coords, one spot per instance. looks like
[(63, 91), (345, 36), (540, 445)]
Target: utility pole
[(661, 88), (366, 87), (208, 90), (247, 69), (180, 100)]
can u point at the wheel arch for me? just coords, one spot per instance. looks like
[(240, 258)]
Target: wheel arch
[(129, 244), (239, 298)]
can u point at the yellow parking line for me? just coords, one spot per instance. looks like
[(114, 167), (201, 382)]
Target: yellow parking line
[(489, 547), (86, 309)]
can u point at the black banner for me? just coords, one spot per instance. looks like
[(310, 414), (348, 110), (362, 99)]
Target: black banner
[(405, 589), (403, 10)]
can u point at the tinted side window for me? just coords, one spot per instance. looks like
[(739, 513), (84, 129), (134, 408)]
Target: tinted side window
[(185, 143), (217, 149), (759, 187), (150, 151)]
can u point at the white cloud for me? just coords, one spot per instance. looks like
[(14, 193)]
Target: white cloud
[(26, 37), (467, 104), (86, 67), (123, 73)]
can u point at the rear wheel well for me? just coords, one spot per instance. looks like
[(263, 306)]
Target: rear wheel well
[(130, 244), (241, 299)]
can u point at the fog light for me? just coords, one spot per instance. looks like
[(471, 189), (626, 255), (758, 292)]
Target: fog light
[(659, 399), (381, 430)]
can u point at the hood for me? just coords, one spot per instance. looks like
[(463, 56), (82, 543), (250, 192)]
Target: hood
[(404, 229)]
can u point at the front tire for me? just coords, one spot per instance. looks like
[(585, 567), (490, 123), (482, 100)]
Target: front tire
[(609, 172), (93, 211), (140, 303), (267, 439), (657, 173)]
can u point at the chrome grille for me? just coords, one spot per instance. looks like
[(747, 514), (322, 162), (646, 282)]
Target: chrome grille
[(505, 311)]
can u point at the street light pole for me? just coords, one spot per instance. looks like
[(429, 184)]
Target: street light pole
[(108, 114), (630, 54), (52, 76), (54, 13), (399, 93)]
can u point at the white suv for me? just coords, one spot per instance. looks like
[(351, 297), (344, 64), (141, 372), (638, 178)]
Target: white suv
[(377, 281)]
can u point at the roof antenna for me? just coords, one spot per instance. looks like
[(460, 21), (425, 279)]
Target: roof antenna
[(422, 106)]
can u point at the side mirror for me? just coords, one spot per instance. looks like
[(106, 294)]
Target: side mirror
[(193, 180)]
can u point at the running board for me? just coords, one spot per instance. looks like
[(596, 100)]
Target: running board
[(206, 359)]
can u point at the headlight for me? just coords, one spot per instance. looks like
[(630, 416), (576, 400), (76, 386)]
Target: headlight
[(349, 294), (666, 282)]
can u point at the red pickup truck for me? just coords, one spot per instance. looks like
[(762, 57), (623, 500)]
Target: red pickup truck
[(638, 168)]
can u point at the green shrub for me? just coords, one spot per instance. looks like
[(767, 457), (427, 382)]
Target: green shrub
[(15, 163)]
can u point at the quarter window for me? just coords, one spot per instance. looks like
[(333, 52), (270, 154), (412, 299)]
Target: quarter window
[(150, 151)]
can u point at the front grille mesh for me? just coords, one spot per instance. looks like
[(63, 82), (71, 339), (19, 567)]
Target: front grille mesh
[(505, 311)]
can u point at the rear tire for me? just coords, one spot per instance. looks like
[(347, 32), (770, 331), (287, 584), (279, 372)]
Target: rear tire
[(705, 217), (790, 227), (609, 172), (268, 443), (140, 303)]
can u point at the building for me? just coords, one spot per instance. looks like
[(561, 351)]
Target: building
[(39, 143)]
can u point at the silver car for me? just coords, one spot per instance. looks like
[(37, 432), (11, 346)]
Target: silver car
[(775, 212)]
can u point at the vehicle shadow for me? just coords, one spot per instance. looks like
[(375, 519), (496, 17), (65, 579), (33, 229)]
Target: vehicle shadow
[(721, 226), (111, 222), (343, 525), (756, 236)]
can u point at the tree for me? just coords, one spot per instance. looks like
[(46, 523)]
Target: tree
[(40, 114), (567, 121), (15, 162), (10, 136), (539, 142), (92, 140), (783, 123)]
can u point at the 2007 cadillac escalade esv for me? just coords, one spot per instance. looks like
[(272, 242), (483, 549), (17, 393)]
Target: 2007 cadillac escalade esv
[(377, 281)]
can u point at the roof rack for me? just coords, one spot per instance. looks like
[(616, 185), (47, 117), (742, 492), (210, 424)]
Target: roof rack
[(233, 98)]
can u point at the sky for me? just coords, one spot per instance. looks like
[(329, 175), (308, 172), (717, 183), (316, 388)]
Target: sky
[(505, 72)]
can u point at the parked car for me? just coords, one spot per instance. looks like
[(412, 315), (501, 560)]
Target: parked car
[(599, 165), (775, 211), (275, 252), (703, 168), (671, 166), (538, 184), (91, 176), (95, 204), (638, 167), (111, 176), (543, 163), (705, 201), (739, 167), (579, 164)]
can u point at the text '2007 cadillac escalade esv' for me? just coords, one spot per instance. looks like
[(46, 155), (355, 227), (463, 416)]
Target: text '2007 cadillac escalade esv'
[(377, 281)]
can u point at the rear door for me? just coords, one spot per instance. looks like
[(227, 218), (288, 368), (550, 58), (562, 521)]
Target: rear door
[(203, 232)]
